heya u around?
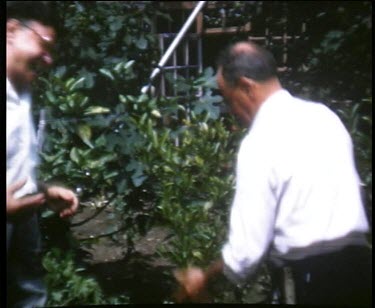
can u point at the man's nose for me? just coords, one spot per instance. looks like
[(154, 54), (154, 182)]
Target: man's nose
[(47, 58)]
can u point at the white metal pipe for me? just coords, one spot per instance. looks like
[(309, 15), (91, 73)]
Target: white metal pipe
[(175, 42), (41, 129)]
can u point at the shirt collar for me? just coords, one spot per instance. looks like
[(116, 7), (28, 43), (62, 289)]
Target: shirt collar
[(13, 96), (11, 93), (275, 97)]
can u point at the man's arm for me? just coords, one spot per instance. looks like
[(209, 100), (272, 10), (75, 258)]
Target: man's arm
[(58, 198), (15, 205)]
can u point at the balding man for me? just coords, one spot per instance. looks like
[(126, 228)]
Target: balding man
[(298, 202)]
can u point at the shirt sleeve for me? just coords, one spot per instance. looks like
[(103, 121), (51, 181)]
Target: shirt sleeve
[(252, 214)]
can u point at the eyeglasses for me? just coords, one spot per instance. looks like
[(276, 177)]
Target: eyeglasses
[(43, 38)]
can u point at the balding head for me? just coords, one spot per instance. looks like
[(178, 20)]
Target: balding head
[(247, 77), (246, 59)]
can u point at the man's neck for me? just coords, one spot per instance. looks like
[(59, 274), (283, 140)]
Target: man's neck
[(267, 90)]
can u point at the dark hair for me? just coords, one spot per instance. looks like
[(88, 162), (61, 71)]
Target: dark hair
[(41, 11), (254, 62)]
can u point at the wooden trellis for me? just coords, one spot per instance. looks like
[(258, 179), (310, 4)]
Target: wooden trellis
[(189, 57)]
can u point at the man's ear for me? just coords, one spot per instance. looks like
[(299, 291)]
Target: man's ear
[(12, 26), (247, 85)]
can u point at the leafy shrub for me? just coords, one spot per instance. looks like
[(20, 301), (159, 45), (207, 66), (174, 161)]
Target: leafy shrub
[(82, 97), (358, 120), (155, 160), (68, 286)]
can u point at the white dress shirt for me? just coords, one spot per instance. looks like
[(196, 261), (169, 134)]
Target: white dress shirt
[(296, 185), (21, 144)]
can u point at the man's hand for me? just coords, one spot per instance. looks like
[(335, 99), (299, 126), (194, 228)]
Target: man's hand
[(61, 200), (193, 282), (14, 205)]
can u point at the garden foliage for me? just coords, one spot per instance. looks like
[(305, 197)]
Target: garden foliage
[(155, 160), (160, 160)]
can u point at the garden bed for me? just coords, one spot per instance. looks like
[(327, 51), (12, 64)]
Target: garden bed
[(142, 275)]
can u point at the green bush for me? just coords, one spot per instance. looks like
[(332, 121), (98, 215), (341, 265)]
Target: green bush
[(68, 286), (358, 120), (155, 160)]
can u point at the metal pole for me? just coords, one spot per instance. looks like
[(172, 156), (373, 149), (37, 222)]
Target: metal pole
[(41, 129), (174, 44)]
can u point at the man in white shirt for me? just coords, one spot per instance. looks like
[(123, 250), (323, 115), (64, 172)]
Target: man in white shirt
[(298, 202), (30, 38)]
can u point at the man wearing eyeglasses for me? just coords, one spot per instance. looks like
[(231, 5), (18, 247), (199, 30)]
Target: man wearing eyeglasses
[(30, 39)]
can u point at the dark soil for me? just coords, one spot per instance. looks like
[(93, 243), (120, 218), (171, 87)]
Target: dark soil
[(141, 275)]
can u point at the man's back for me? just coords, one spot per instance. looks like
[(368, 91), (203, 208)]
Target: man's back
[(305, 154)]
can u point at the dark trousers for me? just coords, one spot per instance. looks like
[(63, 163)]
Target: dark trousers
[(25, 287), (342, 278)]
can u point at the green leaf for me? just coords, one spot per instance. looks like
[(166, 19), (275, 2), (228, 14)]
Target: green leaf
[(78, 84), (96, 110), (60, 71), (57, 296), (208, 205), (142, 43), (129, 64), (123, 98), (138, 180), (107, 158), (121, 186), (199, 161), (101, 141), (69, 83), (116, 25), (107, 73), (118, 67), (210, 105), (142, 98), (197, 254), (111, 175), (50, 96), (156, 113), (74, 155), (84, 132)]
